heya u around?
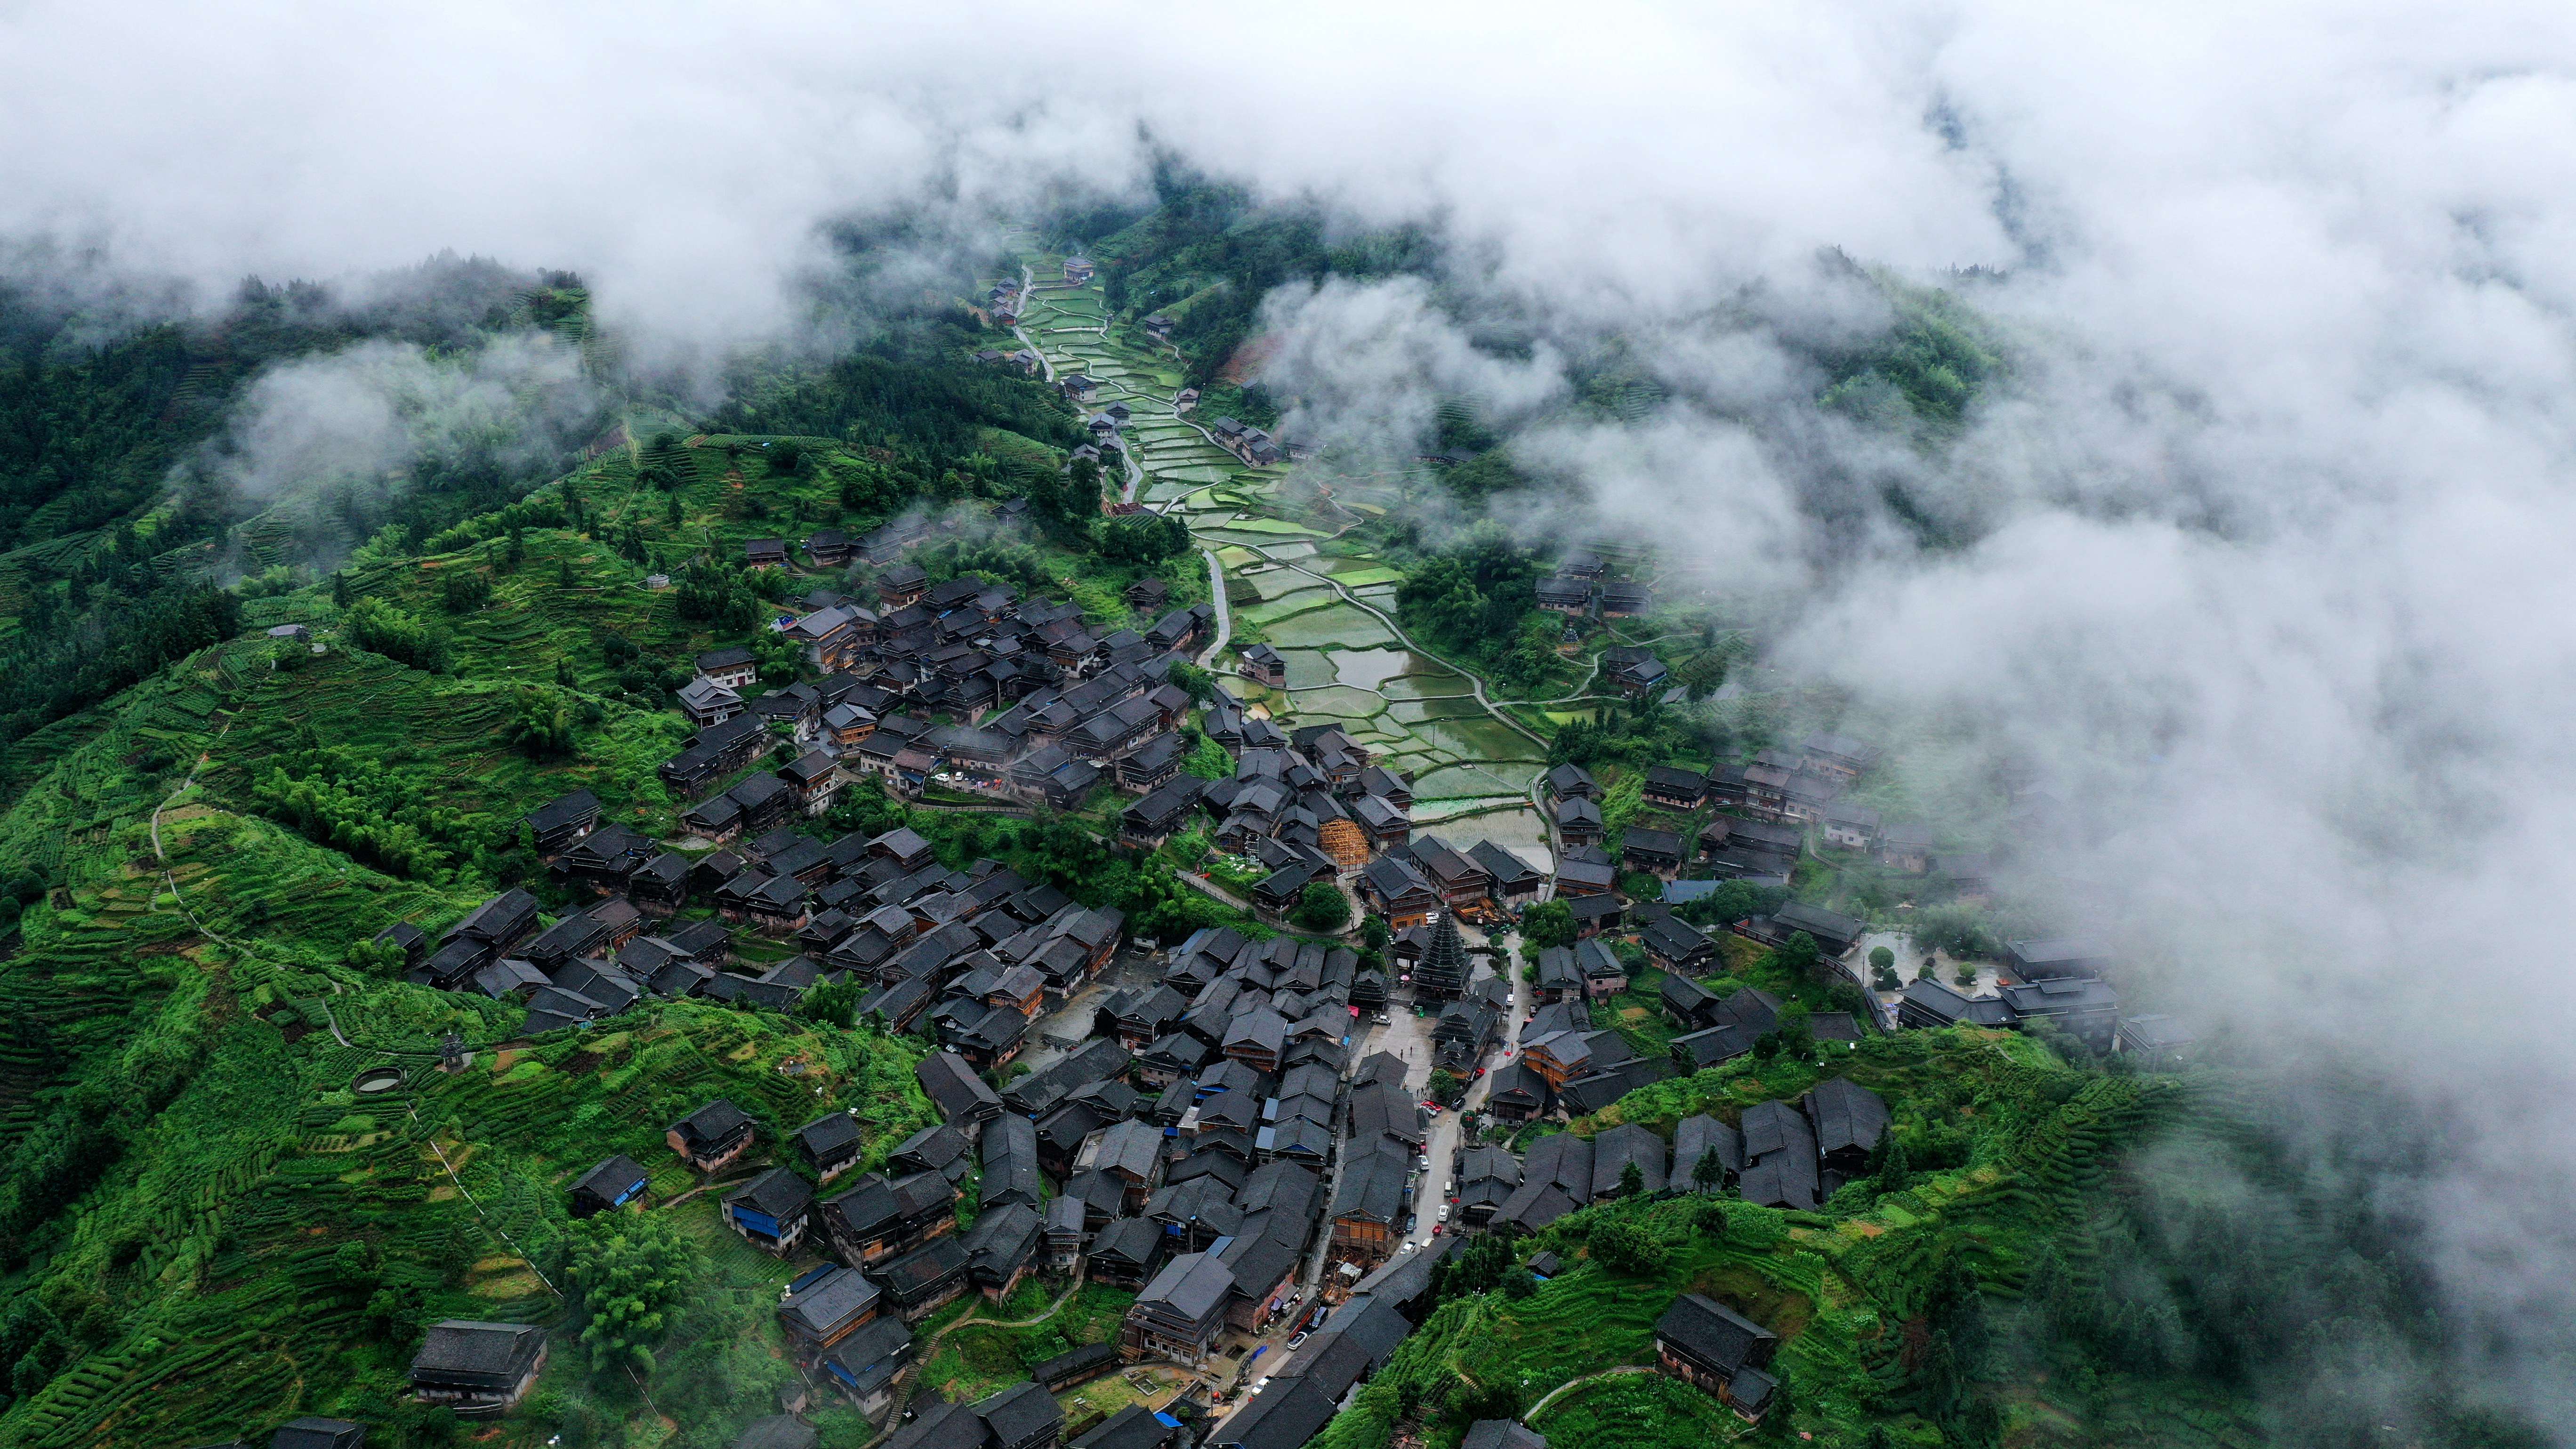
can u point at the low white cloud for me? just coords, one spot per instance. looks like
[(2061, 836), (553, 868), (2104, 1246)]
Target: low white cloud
[(1369, 365), (337, 431)]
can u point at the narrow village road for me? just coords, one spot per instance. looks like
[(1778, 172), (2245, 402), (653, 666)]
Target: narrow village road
[(1214, 892), (1224, 616), (1522, 1005), (1537, 797), (1046, 368), (1046, 364), (190, 783), (1321, 1256), (1204, 433), (1135, 474), (1439, 1175), (1441, 1145)]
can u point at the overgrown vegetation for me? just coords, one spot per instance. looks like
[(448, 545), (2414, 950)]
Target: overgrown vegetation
[(1473, 600), (107, 568)]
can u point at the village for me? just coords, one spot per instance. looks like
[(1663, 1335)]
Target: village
[(1272, 1139), (802, 728), (1240, 1131)]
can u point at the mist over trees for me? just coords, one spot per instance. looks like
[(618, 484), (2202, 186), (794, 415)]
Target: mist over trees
[(119, 485)]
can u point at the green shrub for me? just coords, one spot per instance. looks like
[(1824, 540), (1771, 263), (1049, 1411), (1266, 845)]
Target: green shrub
[(374, 625), (337, 800), (632, 1272), (465, 590), (541, 722), (1625, 1247), (1322, 907), (1144, 539), (1548, 924)]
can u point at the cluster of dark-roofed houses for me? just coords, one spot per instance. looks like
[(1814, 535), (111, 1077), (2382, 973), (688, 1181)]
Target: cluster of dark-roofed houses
[(1314, 805), (979, 951), (1582, 587), (1188, 1141), (1191, 1142), (1046, 709), (1187, 1144), (1766, 808), (1210, 1141), (1050, 711), (1003, 304), (1781, 1154), (1311, 807), (1204, 1195), (1765, 811), (1215, 1133), (1074, 709)]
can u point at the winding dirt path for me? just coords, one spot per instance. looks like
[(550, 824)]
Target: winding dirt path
[(1531, 1417), (922, 1351), (185, 786)]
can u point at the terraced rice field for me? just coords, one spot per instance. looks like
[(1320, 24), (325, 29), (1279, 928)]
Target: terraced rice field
[(1333, 626), (1345, 664)]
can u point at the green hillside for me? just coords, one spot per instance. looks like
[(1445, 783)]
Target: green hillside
[(2060, 1256), (236, 1181), (204, 1228)]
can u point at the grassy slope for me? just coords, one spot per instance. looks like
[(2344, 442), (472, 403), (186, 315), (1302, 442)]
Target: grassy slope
[(198, 1268), (982, 1358), (207, 1248)]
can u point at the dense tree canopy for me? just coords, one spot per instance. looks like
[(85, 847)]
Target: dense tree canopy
[(1144, 538), (1476, 600), (1322, 907), (1547, 924), (910, 388), (375, 625), (631, 1273)]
